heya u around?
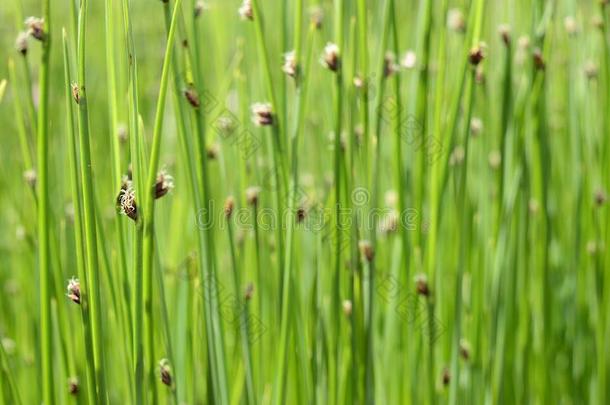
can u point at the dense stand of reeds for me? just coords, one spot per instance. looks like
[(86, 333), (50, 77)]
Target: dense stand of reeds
[(306, 201)]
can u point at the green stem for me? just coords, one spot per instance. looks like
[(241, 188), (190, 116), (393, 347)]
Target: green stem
[(148, 215), (93, 270), (44, 264), (78, 226)]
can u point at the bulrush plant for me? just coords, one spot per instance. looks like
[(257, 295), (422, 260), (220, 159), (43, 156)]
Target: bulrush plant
[(331, 202)]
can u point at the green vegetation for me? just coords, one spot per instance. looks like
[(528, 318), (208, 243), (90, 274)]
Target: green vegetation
[(304, 202)]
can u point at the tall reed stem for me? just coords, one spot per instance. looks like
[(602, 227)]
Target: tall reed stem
[(44, 265)]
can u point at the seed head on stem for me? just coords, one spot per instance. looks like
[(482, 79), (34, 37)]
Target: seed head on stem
[(421, 285), (229, 206), (249, 292), (252, 194), (21, 43), (75, 92), (165, 372), (367, 250), (200, 7), (446, 377), (539, 62), (409, 60), (504, 31), (317, 16), (347, 307), (245, 11), (476, 55), (456, 20), (35, 27), (164, 184), (126, 200), (73, 385), (192, 97), (30, 177), (74, 290), (570, 25), (331, 59), (262, 114), (464, 349), (290, 66), (600, 197), (591, 70), (389, 64)]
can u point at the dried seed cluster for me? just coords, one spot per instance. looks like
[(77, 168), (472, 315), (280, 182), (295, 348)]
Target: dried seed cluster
[(331, 59), (126, 200), (35, 27), (74, 290), (262, 114), (164, 184), (245, 11)]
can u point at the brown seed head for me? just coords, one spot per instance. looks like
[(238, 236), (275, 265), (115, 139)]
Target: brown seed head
[(192, 97), (35, 27), (165, 372), (262, 114), (317, 16), (347, 307), (74, 290), (290, 64), (367, 250), (389, 64), (464, 349), (164, 184), (200, 7), (456, 20), (538, 59), (331, 59), (476, 55), (21, 43), (229, 206), (212, 151), (301, 212), (249, 292), (504, 31), (600, 197), (252, 194), (126, 200), (446, 376), (30, 177), (245, 11), (421, 285), (73, 386), (76, 92), (591, 70)]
